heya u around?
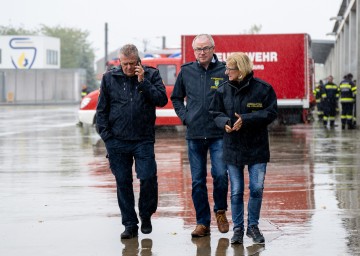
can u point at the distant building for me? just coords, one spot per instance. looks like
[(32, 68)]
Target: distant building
[(30, 72), (29, 52)]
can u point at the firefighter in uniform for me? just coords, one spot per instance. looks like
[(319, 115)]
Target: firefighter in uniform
[(346, 89), (330, 97), (354, 93), (319, 103)]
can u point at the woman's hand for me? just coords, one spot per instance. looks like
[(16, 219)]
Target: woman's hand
[(237, 125)]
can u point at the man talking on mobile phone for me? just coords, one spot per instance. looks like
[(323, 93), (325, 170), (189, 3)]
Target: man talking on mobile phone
[(125, 118)]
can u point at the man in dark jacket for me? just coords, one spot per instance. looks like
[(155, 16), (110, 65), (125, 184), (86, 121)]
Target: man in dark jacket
[(243, 108), (125, 118), (198, 81)]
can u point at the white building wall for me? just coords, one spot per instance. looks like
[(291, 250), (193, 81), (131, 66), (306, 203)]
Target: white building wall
[(29, 52), (345, 57)]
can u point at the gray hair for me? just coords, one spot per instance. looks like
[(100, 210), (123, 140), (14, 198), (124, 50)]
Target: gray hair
[(129, 50), (204, 36)]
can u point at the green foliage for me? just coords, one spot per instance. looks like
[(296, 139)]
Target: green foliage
[(10, 30), (76, 50), (254, 29)]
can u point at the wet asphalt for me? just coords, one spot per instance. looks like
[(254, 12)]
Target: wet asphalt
[(58, 197)]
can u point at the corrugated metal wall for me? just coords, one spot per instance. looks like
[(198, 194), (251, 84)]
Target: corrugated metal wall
[(39, 86)]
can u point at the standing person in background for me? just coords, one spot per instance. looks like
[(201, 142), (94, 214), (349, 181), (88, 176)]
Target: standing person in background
[(197, 82), (330, 97), (346, 88), (317, 95), (125, 118), (354, 92), (84, 90), (243, 108)]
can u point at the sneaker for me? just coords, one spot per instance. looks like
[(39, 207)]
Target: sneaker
[(201, 231), (256, 235), (146, 226), (238, 236), (129, 233), (222, 222)]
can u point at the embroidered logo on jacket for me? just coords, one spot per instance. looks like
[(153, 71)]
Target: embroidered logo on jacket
[(254, 105), (217, 81)]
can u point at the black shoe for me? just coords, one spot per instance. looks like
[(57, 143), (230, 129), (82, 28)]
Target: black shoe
[(129, 233), (254, 233), (238, 236), (146, 226)]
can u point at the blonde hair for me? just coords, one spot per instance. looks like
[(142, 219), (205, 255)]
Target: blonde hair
[(241, 61)]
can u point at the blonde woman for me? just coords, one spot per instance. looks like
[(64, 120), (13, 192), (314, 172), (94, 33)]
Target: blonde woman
[(243, 107)]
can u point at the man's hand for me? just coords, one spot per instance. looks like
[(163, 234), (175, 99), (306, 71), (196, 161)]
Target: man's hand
[(139, 71)]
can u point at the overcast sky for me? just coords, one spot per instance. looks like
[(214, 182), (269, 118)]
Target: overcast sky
[(137, 20)]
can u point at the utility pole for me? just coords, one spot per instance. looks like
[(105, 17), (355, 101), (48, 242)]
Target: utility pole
[(106, 44), (163, 42)]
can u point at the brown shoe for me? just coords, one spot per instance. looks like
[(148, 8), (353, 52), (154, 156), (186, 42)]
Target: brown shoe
[(222, 222), (201, 231)]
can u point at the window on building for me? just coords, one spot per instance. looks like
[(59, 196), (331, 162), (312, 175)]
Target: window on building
[(168, 74), (52, 57)]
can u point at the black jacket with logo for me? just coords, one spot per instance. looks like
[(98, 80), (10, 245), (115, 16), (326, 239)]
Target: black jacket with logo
[(198, 86), (126, 108), (255, 101)]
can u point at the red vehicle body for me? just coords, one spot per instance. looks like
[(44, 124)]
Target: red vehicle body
[(283, 60), (169, 69)]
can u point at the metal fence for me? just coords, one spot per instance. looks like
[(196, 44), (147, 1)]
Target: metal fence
[(41, 86)]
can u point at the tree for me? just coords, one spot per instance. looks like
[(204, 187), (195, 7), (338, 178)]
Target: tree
[(76, 51), (255, 29), (10, 30)]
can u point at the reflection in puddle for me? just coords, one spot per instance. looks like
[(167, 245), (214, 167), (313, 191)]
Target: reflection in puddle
[(312, 178)]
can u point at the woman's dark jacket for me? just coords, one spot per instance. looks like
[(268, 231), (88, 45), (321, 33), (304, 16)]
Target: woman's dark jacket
[(126, 108), (255, 101)]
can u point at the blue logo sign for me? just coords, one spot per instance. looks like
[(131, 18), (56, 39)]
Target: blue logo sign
[(23, 52)]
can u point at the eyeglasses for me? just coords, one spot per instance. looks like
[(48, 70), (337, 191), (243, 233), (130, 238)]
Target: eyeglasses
[(229, 69), (206, 49)]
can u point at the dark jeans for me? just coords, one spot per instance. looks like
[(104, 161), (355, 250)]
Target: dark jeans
[(197, 150), (121, 156)]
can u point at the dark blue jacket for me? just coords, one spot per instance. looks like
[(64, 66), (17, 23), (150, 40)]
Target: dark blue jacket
[(255, 101), (198, 85), (126, 108)]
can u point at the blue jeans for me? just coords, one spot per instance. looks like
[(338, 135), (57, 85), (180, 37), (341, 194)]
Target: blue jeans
[(197, 151), (256, 185), (121, 156)]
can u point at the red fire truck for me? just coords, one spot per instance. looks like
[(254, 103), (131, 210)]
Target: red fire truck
[(283, 60)]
